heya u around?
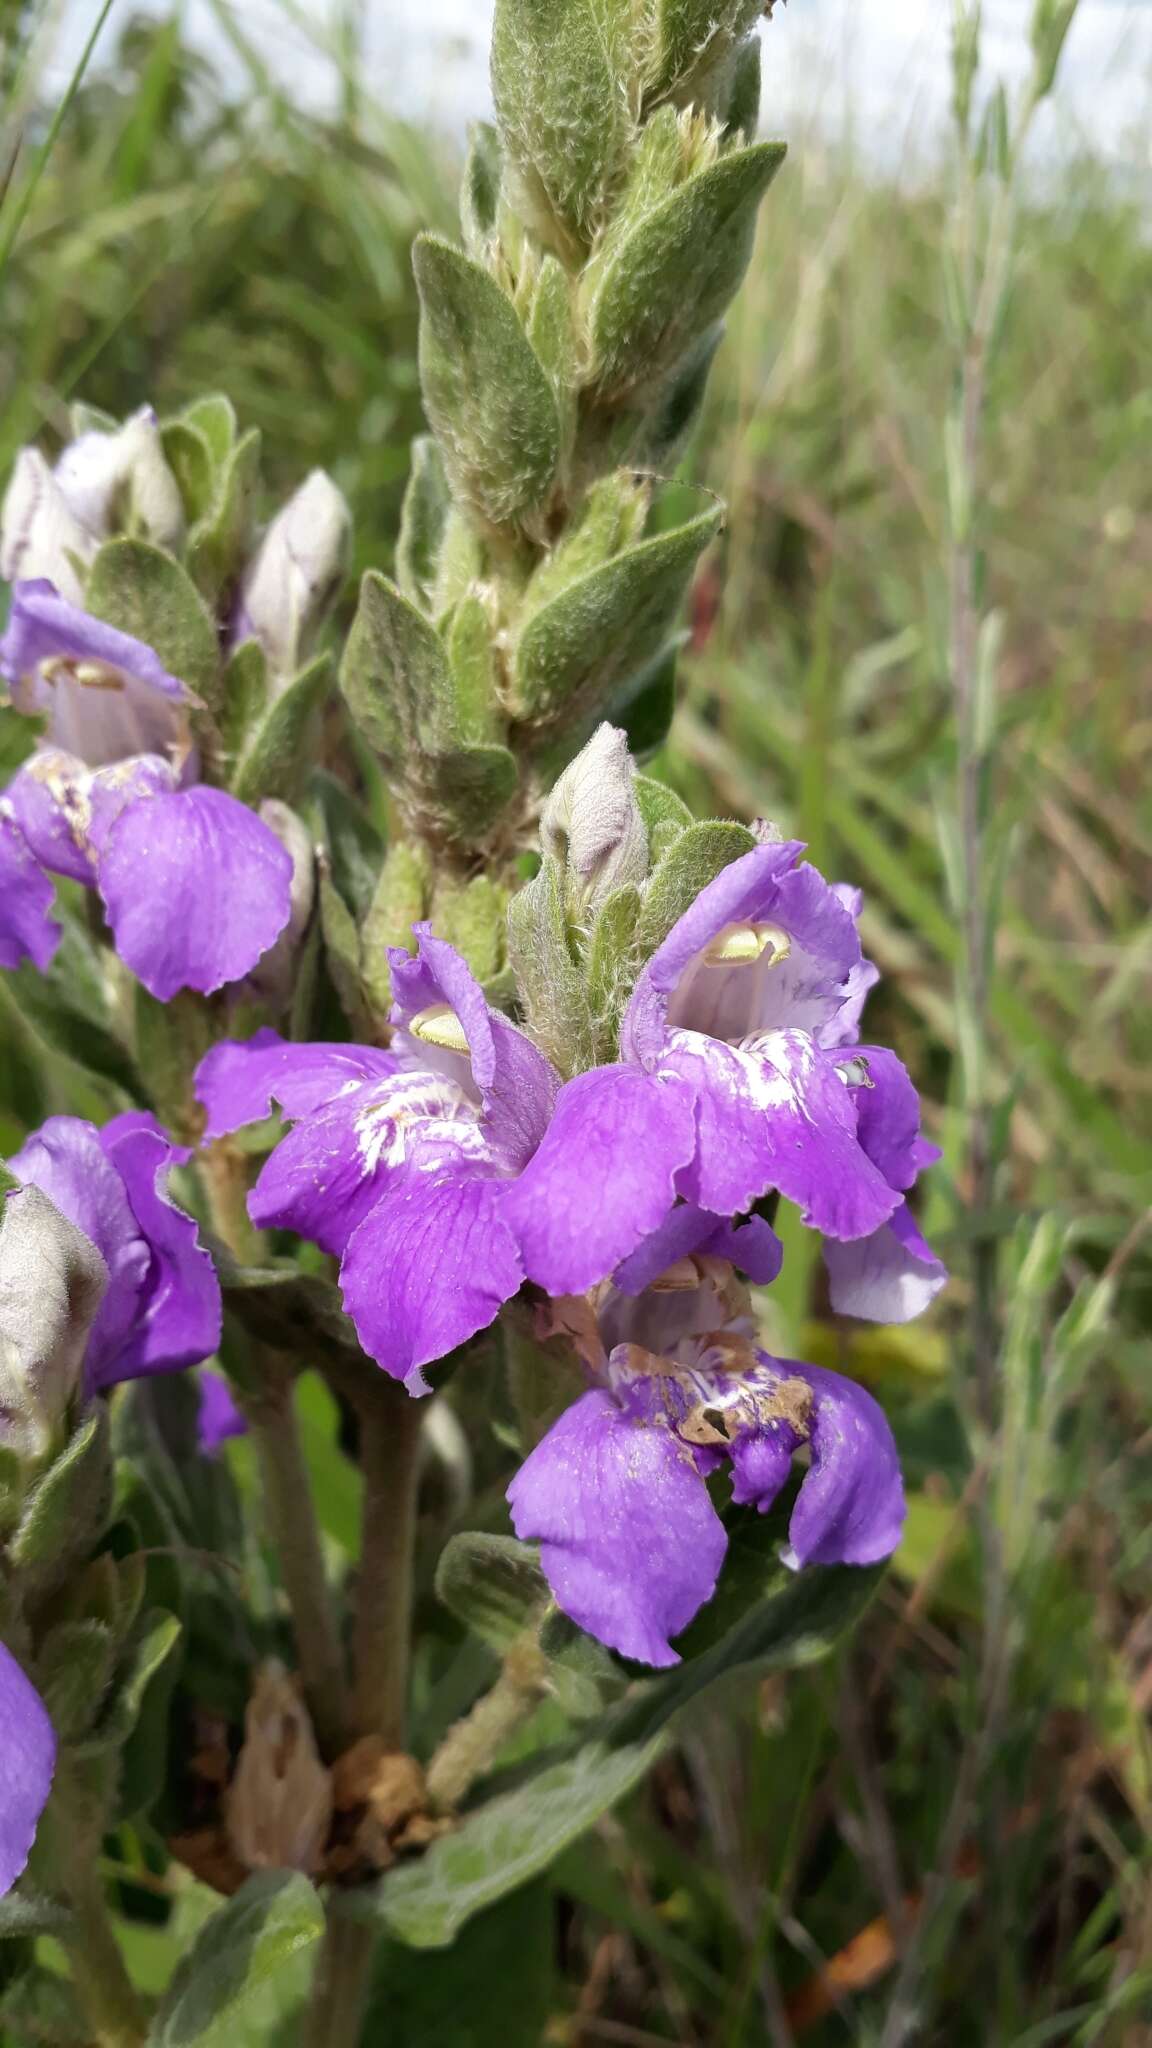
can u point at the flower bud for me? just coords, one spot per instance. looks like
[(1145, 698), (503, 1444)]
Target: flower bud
[(296, 572), (40, 534), (280, 1800), (52, 1282), (592, 823), (121, 481)]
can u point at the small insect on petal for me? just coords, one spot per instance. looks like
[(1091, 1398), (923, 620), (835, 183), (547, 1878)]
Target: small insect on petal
[(742, 945), (440, 1026)]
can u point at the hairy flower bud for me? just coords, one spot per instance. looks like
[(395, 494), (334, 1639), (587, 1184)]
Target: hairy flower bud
[(52, 1282), (592, 823), (121, 481), (40, 534), (296, 573)]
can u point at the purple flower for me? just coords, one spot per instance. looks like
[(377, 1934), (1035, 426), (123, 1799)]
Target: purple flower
[(126, 1290), (403, 1163), (615, 1494), (740, 1075), (161, 1305), (219, 1418), (29, 1763), (195, 886)]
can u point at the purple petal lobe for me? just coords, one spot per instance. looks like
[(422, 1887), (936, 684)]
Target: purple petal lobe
[(333, 1166), (196, 888), (888, 1115), (629, 1540), (890, 1277), (778, 1117), (219, 1416), (178, 1312), (28, 930), (432, 1264), (109, 695), (66, 1160), (515, 1084), (851, 1505), (239, 1081), (753, 1246), (49, 801), (27, 1762), (761, 1462), (603, 1178), (743, 892)]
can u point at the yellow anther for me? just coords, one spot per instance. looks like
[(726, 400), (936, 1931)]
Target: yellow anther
[(741, 945), (440, 1026), (681, 1278), (96, 675)]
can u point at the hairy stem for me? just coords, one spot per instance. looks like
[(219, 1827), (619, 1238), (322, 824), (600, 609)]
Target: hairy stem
[(69, 1840), (390, 1423), (104, 1988), (288, 1504), (292, 1524), (343, 1980), (472, 1746)]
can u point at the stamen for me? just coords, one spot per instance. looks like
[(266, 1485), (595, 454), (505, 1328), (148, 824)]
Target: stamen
[(741, 945), (440, 1026), (682, 1278), (856, 1073), (96, 675)]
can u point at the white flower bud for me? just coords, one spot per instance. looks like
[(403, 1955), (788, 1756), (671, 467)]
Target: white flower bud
[(40, 534), (296, 572), (122, 480), (52, 1282), (592, 823)]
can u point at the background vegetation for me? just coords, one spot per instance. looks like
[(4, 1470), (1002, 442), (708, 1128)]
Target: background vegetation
[(943, 1835)]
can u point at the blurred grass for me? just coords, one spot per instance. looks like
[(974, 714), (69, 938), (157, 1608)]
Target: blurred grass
[(189, 230)]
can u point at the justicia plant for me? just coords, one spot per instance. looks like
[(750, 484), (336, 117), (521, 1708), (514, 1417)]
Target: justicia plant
[(489, 1121)]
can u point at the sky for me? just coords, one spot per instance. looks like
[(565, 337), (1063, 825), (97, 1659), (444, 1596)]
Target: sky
[(881, 64)]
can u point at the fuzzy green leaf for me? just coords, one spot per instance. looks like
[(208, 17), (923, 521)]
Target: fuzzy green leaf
[(25, 1913), (493, 1989), (153, 1640), (243, 697), (493, 1584), (510, 1839), (469, 787), (67, 1508), (671, 277), (694, 34), (552, 989), (74, 1668), (422, 519), (278, 749), (480, 189), (400, 899), (272, 1918), (486, 395), (394, 668), (577, 650), (219, 541), (696, 858), (558, 80), (190, 459), (214, 417), (141, 590), (660, 806)]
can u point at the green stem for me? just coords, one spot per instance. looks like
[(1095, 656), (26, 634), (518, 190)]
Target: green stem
[(295, 1534), (390, 1423), (343, 1980), (106, 1992), (472, 1746)]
